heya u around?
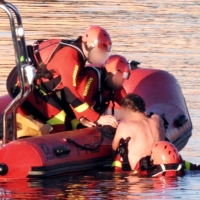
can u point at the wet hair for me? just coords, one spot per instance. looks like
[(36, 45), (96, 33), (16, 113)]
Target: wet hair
[(133, 102)]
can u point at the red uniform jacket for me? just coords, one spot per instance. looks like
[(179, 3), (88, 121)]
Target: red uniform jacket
[(88, 87), (67, 64)]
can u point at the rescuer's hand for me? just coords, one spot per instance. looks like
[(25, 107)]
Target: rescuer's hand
[(85, 122), (108, 120), (46, 129)]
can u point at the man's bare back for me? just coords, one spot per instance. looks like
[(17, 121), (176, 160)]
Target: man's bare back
[(144, 132)]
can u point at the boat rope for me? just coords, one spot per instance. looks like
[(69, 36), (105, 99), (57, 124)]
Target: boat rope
[(84, 147)]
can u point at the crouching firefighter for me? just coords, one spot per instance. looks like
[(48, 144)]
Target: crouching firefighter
[(101, 86), (58, 64)]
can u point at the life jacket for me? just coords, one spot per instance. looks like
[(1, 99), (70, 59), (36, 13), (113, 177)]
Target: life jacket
[(43, 51), (145, 168), (101, 106)]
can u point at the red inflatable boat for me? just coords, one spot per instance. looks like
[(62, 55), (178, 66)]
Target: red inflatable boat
[(85, 149)]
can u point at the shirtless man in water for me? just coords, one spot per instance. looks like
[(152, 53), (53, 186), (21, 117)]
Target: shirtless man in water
[(144, 131)]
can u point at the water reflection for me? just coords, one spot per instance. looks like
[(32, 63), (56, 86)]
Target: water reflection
[(98, 185)]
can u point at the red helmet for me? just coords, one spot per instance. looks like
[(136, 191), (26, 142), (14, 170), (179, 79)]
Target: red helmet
[(97, 37), (118, 64), (165, 153)]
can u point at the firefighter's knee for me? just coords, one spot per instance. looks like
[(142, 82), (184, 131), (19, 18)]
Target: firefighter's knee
[(58, 119)]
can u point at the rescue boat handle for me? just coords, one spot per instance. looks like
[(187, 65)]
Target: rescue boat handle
[(22, 63)]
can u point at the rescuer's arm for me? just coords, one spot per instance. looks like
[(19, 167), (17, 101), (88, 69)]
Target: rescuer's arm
[(69, 72), (87, 88)]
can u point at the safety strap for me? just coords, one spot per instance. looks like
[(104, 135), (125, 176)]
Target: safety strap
[(42, 67), (99, 73), (60, 45), (73, 46), (83, 147), (99, 101), (113, 102)]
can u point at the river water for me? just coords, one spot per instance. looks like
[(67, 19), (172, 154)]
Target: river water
[(158, 34)]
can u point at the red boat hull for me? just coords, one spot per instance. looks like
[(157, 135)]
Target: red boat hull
[(39, 157)]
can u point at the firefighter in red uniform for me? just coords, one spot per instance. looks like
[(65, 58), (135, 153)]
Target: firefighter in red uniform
[(58, 64), (100, 86), (165, 160)]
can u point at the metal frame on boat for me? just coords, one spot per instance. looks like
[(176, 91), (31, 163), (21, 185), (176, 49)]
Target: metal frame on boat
[(25, 71)]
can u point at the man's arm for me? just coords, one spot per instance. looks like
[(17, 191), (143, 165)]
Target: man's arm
[(120, 133), (161, 126)]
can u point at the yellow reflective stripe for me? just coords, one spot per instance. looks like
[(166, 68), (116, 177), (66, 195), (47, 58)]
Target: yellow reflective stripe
[(22, 58), (187, 165), (82, 107), (75, 123), (41, 91), (117, 164), (58, 119), (87, 86), (135, 172), (75, 72)]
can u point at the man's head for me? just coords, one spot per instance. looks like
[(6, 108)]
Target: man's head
[(132, 104), (118, 69), (96, 44)]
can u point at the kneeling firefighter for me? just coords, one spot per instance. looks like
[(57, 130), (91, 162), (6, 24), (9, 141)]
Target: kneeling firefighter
[(100, 86), (165, 160), (58, 64)]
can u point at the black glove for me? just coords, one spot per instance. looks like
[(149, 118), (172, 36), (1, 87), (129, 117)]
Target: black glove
[(123, 147)]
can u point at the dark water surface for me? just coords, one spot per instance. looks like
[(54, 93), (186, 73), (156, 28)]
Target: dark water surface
[(103, 185), (164, 35)]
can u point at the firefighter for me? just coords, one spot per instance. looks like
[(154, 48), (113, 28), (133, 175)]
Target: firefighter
[(58, 64), (164, 160), (101, 86)]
